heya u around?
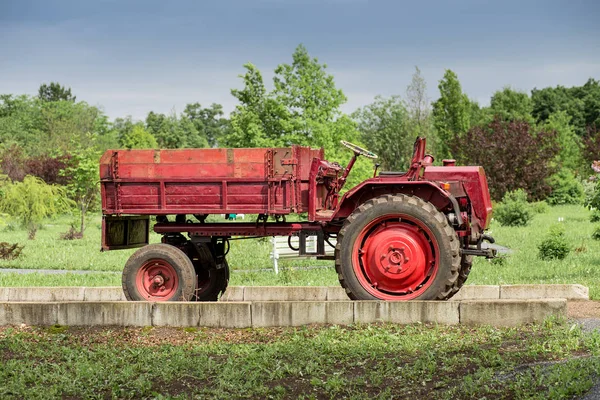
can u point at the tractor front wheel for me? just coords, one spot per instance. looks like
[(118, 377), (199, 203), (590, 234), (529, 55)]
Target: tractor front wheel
[(159, 272), (398, 247)]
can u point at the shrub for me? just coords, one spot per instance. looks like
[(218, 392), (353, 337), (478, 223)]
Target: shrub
[(513, 154), (10, 251), (71, 234), (566, 189), (596, 233), (595, 217), (33, 200), (591, 144), (540, 207), (514, 209), (554, 246)]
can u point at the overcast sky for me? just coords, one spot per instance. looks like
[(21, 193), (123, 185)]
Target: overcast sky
[(131, 57)]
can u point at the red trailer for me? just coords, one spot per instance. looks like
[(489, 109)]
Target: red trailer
[(400, 235)]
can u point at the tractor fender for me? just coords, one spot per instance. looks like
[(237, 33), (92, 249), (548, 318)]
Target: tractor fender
[(375, 187)]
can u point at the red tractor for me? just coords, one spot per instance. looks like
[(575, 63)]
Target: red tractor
[(400, 235)]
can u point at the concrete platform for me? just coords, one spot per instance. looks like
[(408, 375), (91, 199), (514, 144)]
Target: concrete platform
[(294, 293), (279, 313)]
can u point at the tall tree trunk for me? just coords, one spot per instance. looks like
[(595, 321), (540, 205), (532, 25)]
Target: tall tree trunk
[(83, 207)]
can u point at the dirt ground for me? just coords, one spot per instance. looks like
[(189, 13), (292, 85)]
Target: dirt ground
[(583, 309)]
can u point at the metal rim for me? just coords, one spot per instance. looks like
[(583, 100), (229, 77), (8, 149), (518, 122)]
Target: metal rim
[(204, 281), (157, 280), (395, 257)]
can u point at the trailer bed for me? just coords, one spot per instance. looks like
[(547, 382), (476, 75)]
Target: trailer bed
[(207, 181)]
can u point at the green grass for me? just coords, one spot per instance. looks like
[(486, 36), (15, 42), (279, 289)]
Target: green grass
[(582, 265), (546, 361)]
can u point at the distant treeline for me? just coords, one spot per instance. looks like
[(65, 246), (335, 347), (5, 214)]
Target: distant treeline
[(538, 141)]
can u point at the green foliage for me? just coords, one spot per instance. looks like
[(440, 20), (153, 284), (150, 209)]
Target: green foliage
[(451, 112), (514, 209), (174, 132), (55, 92), (595, 217), (596, 233), (566, 189), (592, 194), (540, 207), (511, 105), (555, 244), (84, 186), (303, 108), (33, 200), (570, 155), (385, 129), (209, 122), (138, 138), (581, 103)]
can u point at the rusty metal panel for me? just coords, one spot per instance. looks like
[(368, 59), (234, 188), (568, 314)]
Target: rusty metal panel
[(125, 232), (273, 181)]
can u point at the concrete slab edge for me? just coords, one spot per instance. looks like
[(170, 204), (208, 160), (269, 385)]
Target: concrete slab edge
[(282, 313), (295, 293)]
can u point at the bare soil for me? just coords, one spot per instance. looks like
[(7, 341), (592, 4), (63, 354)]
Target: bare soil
[(583, 309)]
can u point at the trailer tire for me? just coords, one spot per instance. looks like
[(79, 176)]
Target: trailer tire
[(211, 281), (159, 272), (398, 247)]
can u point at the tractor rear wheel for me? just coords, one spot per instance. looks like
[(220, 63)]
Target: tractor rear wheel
[(211, 282), (159, 272), (397, 247)]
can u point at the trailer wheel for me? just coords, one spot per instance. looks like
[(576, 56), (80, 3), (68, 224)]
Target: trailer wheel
[(397, 247), (211, 282), (159, 272)]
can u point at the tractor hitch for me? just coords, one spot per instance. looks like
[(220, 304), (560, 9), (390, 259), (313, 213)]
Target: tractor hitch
[(481, 252)]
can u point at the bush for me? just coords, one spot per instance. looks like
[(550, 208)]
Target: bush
[(540, 207), (566, 189), (33, 200), (514, 154), (514, 209), (595, 217), (10, 251), (596, 233), (554, 246), (71, 234)]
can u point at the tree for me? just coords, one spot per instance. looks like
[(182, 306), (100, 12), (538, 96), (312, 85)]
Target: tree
[(138, 138), (303, 108), (511, 105), (55, 92), (569, 143), (64, 123), (256, 121), (591, 145), (209, 122), (419, 110), (173, 132), (386, 129), (33, 200), (513, 154), (581, 103), (451, 112), (84, 184)]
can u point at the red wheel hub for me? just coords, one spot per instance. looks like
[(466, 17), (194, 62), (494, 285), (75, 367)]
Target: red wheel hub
[(394, 257), (157, 280)]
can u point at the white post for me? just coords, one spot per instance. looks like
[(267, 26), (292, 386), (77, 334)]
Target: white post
[(275, 256)]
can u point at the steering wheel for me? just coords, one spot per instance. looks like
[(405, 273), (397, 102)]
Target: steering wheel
[(359, 150)]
